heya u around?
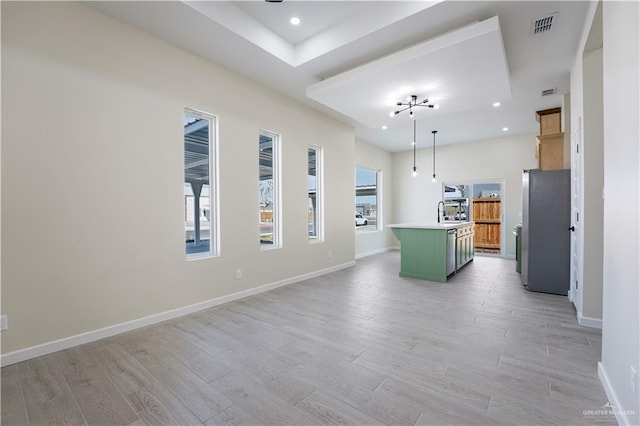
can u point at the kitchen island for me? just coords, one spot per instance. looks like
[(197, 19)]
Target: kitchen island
[(433, 251)]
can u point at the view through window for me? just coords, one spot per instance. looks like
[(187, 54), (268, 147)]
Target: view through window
[(314, 190), (268, 189), (366, 212), (199, 201)]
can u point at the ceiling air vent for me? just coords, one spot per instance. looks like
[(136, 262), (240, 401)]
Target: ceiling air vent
[(544, 24), (548, 92)]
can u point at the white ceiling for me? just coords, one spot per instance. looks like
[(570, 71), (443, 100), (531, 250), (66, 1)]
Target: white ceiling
[(350, 59), (437, 69), (315, 16)]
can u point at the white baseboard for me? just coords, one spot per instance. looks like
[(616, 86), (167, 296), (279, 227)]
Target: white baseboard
[(101, 333), (372, 252), (624, 416), (589, 322)]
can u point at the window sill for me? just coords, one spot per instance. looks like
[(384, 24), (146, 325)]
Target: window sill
[(201, 256), (367, 231)]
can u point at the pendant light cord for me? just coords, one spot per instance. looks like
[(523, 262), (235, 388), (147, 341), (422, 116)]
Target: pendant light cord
[(434, 152), (414, 145)]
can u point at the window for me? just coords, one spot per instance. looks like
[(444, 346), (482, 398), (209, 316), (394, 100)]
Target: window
[(200, 213), (269, 189), (456, 202), (366, 212), (315, 196)]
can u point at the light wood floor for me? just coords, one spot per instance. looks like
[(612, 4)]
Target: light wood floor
[(359, 346)]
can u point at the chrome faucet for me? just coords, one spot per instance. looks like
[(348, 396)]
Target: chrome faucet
[(440, 202)]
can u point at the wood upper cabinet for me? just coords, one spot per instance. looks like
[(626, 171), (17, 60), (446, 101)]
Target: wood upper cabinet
[(550, 142), (487, 215), (550, 151), (550, 122)]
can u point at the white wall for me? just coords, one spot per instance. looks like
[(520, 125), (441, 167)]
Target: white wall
[(621, 304), (92, 176), (373, 157), (587, 132), (415, 199), (566, 129), (0, 177), (593, 182)]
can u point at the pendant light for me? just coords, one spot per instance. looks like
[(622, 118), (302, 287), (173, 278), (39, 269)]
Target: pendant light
[(433, 179), (414, 173), (411, 104)]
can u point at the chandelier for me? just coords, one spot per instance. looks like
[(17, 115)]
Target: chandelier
[(411, 104)]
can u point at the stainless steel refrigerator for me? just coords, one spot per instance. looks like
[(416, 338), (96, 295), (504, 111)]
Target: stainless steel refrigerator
[(546, 217)]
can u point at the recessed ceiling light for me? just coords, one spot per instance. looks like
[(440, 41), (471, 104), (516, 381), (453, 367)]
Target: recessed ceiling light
[(496, 104), (505, 129), (295, 20), (384, 127)]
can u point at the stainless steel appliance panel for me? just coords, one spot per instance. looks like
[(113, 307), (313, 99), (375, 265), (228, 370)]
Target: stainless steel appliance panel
[(524, 266), (546, 220), (517, 231)]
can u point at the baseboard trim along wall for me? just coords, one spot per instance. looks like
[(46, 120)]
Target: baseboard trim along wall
[(101, 333), (372, 252), (623, 416), (589, 322)]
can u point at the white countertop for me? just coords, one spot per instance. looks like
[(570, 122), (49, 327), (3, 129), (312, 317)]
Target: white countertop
[(431, 225)]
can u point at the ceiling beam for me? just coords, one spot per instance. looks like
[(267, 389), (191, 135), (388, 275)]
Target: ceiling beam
[(196, 163), (195, 126)]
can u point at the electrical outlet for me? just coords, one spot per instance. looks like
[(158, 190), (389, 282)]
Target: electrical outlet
[(238, 274), (634, 380), (4, 324)]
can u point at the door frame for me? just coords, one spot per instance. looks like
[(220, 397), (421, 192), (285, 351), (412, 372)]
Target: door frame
[(503, 203), (575, 275)]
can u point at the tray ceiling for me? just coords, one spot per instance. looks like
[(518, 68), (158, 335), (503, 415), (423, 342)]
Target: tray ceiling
[(463, 69), (352, 59)]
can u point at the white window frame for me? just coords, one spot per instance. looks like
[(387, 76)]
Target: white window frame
[(319, 193), (214, 205), (276, 212)]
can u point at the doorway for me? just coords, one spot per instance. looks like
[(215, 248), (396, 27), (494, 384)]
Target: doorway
[(487, 215), (481, 201)]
